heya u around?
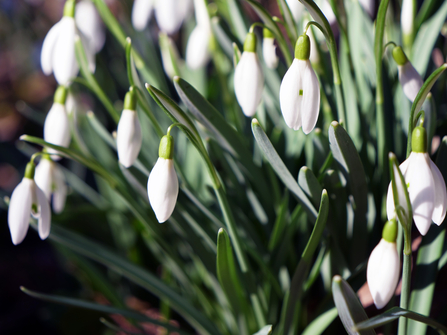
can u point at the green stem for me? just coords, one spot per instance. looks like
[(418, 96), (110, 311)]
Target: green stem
[(406, 279)]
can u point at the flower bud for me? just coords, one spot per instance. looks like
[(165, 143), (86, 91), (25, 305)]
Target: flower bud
[(409, 78), (269, 49)]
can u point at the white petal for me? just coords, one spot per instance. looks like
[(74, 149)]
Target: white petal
[(46, 55), (20, 210), (410, 80), (269, 52), (44, 223), (407, 17), (383, 272), (89, 51), (197, 52), (202, 16), (248, 83), (369, 6), (390, 208), (440, 195), (169, 15), (65, 66), (162, 189), (289, 94), (296, 8), (44, 176), (90, 25), (311, 99), (141, 13), (59, 191), (56, 128), (421, 190), (128, 138)]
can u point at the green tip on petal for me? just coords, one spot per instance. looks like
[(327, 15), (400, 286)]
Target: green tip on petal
[(69, 8), (302, 47), (29, 170), (250, 42), (399, 56), (60, 96), (419, 140), (166, 149), (130, 100), (389, 232), (267, 33)]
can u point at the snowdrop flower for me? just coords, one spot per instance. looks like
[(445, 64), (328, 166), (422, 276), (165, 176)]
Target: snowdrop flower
[(269, 49), (299, 94), (56, 129), (426, 186), (248, 78), (162, 186), (141, 13), (170, 14), (369, 6), (128, 135), (296, 8), (169, 55), (407, 16), (409, 78), (383, 268), (90, 25), (28, 199), (50, 179), (197, 49)]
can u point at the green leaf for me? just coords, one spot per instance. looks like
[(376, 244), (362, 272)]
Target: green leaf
[(267, 330), (319, 325), (349, 307), (393, 314), (426, 38), (351, 166), (280, 168), (135, 274), (100, 308), (280, 224), (290, 23), (310, 185), (237, 19)]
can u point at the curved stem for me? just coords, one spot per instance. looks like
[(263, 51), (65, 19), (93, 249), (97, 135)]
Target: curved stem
[(256, 24)]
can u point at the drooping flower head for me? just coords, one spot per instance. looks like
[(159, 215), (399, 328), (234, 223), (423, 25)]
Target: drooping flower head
[(269, 49), (383, 268), (141, 13), (28, 199), (162, 186), (197, 49), (56, 129), (170, 14), (90, 25), (299, 94), (248, 78), (128, 135), (409, 78), (426, 186)]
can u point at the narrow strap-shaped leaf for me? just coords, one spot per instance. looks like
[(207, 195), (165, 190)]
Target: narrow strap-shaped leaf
[(349, 307), (101, 308), (310, 185), (267, 330), (346, 155), (290, 23), (280, 168), (280, 223), (319, 325), (393, 314), (135, 274), (115, 328)]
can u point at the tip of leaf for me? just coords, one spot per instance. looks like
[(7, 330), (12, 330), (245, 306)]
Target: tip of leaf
[(147, 86), (220, 231), (176, 79), (23, 289), (255, 122), (23, 137), (90, 114), (128, 40), (391, 155), (334, 124), (337, 279), (324, 192)]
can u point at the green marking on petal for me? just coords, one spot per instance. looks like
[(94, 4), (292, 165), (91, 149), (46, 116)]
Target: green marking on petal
[(301, 92)]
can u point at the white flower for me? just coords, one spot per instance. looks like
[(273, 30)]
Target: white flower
[(171, 13), (299, 96), (197, 49), (407, 17), (296, 8), (56, 129), (426, 189), (141, 13), (269, 52), (382, 272), (169, 55), (28, 199), (162, 188), (128, 137), (90, 25), (369, 6), (50, 179), (410, 80)]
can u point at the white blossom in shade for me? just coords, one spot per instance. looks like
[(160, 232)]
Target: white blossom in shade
[(90, 25), (170, 14), (248, 83), (426, 189), (269, 52), (410, 80), (169, 55), (369, 6), (141, 13), (50, 179), (299, 96), (407, 17), (128, 137), (197, 49), (382, 272), (56, 129), (162, 188), (296, 8), (28, 199)]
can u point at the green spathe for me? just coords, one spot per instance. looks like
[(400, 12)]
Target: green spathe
[(302, 47), (267, 33), (166, 149), (60, 96), (69, 8), (389, 232), (419, 140), (250, 42), (29, 170), (399, 56), (130, 100)]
